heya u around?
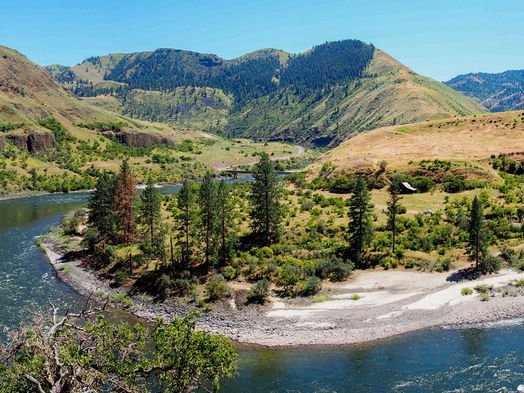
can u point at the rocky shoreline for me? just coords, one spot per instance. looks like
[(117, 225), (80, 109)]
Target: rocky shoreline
[(413, 301)]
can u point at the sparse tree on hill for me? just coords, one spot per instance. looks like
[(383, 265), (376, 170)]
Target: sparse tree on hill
[(266, 192), (360, 228), (477, 244)]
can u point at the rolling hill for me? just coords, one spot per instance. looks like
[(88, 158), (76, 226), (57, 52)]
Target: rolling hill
[(320, 97), (497, 92), (466, 143)]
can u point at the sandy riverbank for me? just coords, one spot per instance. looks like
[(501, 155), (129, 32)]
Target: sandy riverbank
[(390, 303)]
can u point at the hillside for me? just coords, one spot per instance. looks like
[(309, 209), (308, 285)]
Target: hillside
[(29, 94), (52, 141), (320, 97), (497, 92), (465, 144)]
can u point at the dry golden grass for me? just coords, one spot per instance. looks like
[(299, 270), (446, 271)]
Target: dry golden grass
[(471, 139)]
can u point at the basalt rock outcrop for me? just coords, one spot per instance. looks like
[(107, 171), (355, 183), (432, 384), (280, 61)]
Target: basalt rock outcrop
[(37, 142), (138, 139)]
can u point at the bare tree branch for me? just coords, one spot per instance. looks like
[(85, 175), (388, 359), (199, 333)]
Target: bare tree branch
[(35, 383)]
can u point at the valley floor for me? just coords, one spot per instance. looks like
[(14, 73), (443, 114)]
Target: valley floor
[(389, 303)]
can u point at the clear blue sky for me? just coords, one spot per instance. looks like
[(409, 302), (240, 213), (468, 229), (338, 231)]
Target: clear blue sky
[(439, 38)]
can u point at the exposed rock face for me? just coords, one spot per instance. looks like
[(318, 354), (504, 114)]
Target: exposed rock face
[(19, 140), (40, 142), (139, 139), (37, 142)]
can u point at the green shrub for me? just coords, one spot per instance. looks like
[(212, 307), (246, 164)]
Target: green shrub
[(355, 297), (122, 299), (306, 205), (443, 264), (466, 291), (70, 225), (91, 238), (164, 285), (334, 269), (217, 288), (341, 184), (182, 286), (61, 134), (484, 297), (490, 264), (120, 278), (287, 277), (259, 292), (510, 256), (483, 288), (264, 252), (229, 273), (105, 254), (10, 126), (519, 283), (389, 263), (308, 287)]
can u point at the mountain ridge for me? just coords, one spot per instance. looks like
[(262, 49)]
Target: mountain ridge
[(499, 92), (315, 97)]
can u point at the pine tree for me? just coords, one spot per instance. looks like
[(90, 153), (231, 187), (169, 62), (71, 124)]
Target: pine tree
[(125, 203), (185, 221), (151, 218), (207, 201), (266, 192), (360, 228), (477, 244), (224, 223), (102, 207), (393, 210)]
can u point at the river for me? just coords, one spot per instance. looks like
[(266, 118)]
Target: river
[(487, 358)]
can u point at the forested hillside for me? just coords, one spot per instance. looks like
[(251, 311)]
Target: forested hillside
[(319, 97), (497, 92)]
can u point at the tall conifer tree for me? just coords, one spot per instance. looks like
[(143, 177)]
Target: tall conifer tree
[(207, 201), (266, 192), (225, 223), (125, 203), (360, 228), (102, 207), (151, 218), (477, 244), (185, 222), (393, 210)]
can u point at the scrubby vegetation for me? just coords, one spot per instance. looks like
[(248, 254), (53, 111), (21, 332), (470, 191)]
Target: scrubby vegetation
[(84, 351), (75, 164), (282, 236)]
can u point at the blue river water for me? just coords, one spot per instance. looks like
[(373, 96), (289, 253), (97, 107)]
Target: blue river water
[(488, 358)]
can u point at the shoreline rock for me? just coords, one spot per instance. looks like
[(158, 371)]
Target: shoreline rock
[(320, 327)]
